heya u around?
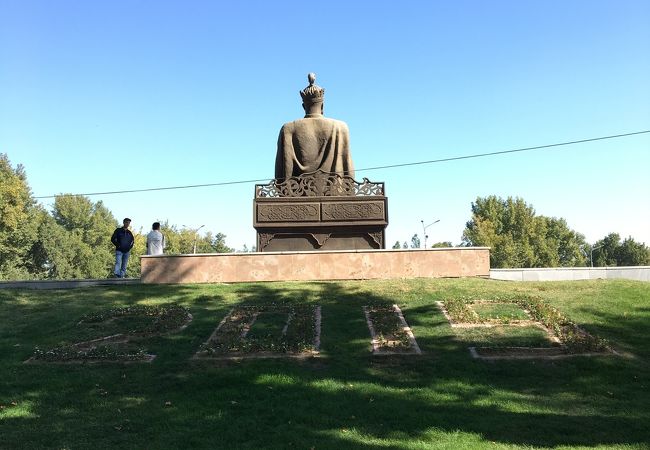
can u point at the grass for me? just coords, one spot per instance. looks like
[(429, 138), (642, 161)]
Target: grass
[(344, 399), (504, 336), (500, 311)]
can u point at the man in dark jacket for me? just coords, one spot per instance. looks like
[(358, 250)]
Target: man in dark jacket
[(123, 241)]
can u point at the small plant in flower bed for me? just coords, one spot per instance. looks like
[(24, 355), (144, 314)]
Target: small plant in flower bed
[(573, 337), (103, 352), (110, 334), (261, 329), (389, 329), (460, 312)]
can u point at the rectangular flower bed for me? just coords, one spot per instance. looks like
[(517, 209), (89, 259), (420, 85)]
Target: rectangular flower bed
[(560, 337), (122, 331), (265, 332), (389, 331)]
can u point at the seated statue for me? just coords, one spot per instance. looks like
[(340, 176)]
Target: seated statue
[(314, 143)]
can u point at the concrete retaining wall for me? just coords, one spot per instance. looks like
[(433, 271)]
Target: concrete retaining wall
[(640, 273), (317, 265)]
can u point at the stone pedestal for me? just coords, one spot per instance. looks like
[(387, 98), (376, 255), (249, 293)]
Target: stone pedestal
[(320, 212)]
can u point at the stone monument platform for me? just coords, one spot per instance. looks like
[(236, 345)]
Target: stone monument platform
[(316, 265), (320, 211)]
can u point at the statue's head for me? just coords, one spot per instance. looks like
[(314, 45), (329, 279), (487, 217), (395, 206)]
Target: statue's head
[(312, 96)]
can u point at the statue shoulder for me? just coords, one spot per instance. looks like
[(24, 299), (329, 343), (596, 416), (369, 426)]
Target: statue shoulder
[(288, 126), (338, 124)]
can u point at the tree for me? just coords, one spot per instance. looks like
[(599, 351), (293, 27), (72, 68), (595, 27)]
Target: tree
[(604, 251), (631, 253), (415, 241), (74, 240), (564, 245), (218, 243), (19, 220), (519, 238), (397, 245), (610, 251), (182, 241), (444, 244), (88, 227)]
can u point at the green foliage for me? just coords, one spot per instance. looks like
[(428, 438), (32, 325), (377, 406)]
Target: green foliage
[(520, 238), (397, 245), (610, 251), (500, 312), (185, 241), (85, 229), (631, 253), (604, 251), (19, 219), (415, 241), (74, 240), (444, 244)]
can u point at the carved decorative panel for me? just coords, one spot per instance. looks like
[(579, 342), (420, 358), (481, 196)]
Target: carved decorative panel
[(288, 212), (341, 211)]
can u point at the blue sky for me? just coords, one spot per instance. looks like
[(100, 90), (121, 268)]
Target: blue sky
[(104, 96)]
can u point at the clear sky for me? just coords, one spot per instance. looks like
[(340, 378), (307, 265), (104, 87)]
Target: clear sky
[(114, 95)]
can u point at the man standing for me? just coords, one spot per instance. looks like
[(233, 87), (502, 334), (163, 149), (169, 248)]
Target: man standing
[(155, 240), (123, 241)]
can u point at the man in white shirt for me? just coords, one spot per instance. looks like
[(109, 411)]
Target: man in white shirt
[(155, 240)]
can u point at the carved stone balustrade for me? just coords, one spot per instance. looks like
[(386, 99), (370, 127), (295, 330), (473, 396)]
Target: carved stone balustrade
[(320, 211)]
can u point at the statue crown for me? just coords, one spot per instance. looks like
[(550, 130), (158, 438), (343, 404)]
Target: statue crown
[(312, 93)]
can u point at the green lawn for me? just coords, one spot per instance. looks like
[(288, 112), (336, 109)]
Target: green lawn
[(344, 399), (500, 311)]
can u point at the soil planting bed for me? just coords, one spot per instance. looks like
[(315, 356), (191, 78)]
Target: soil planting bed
[(389, 331), (124, 331), (566, 338), (265, 332)]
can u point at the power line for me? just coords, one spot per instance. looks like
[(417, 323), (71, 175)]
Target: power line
[(503, 152), (391, 166)]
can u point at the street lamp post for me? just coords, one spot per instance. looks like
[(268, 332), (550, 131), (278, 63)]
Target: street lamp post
[(196, 236), (591, 254), (424, 230)]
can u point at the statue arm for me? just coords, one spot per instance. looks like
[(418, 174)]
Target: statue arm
[(283, 167), (347, 155)]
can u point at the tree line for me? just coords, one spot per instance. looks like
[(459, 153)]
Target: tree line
[(520, 238), (73, 239)]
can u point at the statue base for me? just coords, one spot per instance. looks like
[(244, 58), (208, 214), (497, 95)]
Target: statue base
[(320, 212)]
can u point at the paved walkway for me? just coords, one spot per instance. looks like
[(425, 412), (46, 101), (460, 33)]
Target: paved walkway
[(66, 284)]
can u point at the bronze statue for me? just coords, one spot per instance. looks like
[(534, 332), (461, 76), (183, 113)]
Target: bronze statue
[(314, 143)]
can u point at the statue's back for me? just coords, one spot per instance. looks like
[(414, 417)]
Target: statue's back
[(311, 144)]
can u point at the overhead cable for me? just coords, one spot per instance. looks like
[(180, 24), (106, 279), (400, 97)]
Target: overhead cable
[(391, 166)]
